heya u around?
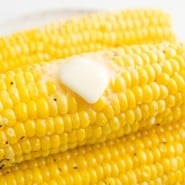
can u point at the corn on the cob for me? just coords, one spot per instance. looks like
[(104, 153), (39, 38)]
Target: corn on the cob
[(149, 157), (40, 116), (79, 35)]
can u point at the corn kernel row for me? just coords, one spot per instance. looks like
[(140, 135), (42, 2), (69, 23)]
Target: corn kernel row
[(84, 34), (149, 157)]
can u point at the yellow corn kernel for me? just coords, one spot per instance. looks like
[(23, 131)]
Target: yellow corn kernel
[(154, 156), (69, 121), (21, 111)]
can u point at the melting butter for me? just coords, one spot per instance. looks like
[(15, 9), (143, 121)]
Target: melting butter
[(85, 76)]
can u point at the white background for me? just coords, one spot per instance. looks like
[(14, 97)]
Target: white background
[(11, 9)]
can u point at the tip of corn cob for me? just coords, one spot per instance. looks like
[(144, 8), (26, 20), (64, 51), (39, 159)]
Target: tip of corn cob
[(85, 77)]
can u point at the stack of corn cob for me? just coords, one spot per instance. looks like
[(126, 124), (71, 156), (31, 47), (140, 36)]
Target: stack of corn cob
[(132, 134)]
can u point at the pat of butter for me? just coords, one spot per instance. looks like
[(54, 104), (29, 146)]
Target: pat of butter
[(85, 77)]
